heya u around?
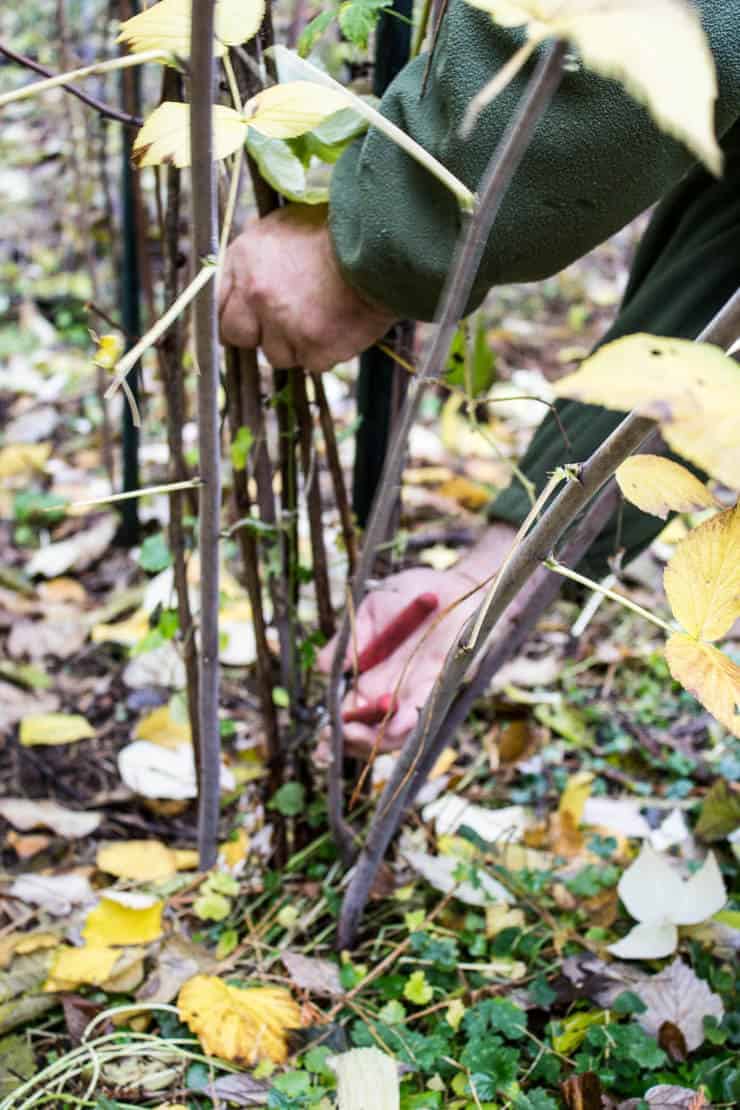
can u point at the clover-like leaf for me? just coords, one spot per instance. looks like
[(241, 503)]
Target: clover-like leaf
[(660, 486), (165, 136), (625, 40), (166, 26)]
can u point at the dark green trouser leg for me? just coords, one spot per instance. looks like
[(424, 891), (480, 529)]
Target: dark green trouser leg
[(686, 268)]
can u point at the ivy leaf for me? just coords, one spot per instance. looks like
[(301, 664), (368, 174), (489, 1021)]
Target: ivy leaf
[(417, 989), (659, 486), (720, 812)]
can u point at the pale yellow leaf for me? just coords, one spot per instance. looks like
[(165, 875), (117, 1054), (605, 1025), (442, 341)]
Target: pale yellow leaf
[(24, 944), (127, 632), (232, 853), (702, 579), (573, 799), (471, 495), (626, 40), (142, 860), (91, 964), (691, 389), (160, 727), (165, 136), (166, 26), (20, 458), (54, 728), (110, 349), (284, 111), (660, 486), (239, 1025), (367, 1079), (709, 675), (124, 918)]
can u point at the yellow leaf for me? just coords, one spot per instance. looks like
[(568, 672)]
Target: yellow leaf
[(284, 111), (124, 918), (142, 860), (165, 136), (91, 964), (54, 728), (24, 944), (575, 1028), (166, 26), (626, 40), (574, 797), (109, 351), (469, 494), (233, 852), (239, 1025), (128, 632), (702, 580), (160, 727), (709, 675), (660, 486), (691, 389), (20, 458)]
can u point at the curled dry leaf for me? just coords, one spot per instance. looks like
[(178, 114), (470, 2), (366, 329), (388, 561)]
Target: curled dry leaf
[(57, 894), (658, 898), (123, 917), (25, 814), (691, 389), (660, 486), (156, 772), (144, 860), (239, 1025), (76, 553)]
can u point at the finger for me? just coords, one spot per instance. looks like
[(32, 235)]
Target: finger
[(238, 321), (397, 631), (276, 347), (362, 631)]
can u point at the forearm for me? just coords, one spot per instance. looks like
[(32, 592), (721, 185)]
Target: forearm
[(596, 161)]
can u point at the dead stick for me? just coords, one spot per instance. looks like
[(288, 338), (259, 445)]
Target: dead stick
[(337, 476), (312, 493)]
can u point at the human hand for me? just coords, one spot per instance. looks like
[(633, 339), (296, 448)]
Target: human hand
[(282, 290), (406, 677)]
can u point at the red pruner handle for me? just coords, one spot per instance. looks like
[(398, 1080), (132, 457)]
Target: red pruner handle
[(372, 713), (400, 628)]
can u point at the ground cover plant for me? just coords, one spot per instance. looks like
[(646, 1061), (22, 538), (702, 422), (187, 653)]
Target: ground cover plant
[(205, 903)]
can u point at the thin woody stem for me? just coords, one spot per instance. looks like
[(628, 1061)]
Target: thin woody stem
[(62, 80), (497, 178), (209, 445), (627, 603)]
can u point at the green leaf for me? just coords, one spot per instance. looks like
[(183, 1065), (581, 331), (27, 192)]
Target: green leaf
[(316, 1058), (280, 697), (331, 138), (628, 1003), (720, 812), (535, 1099), (46, 509), (393, 1012), (155, 555), (417, 989), (220, 882), (357, 19), (289, 800), (281, 167), (241, 445), (212, 907), (313, 31)]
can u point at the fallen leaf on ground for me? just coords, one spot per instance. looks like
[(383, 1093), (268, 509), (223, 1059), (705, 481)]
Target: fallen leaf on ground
[(367, 1079), (144, 860), (439, 872), (156, 772), (177, 960), (160, 667), (26, 813), (16, 704), (20, 458), (654, 893), (667, 1097), (720, 812), (451, 812), (91, 964), (616, 815), (573, 799), (17, 1063), (239, 1025), (235, 1090), (160, 727), (679, 996), (59, 637), (56, 894), (24, 944), (319, 977), (124, 917), (54, 728), (127, 632), (77, 553)]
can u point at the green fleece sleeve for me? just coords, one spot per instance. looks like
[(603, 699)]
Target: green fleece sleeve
[(596, 161)]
